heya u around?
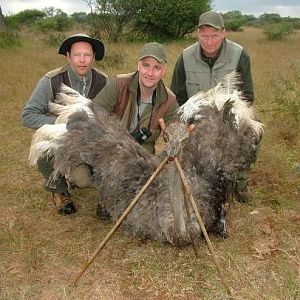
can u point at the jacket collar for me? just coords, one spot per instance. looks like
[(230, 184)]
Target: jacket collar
[(74, 76)]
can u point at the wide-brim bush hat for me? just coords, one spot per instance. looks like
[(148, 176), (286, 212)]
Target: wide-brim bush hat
[(212, 19), (98, 46), (154, 50)]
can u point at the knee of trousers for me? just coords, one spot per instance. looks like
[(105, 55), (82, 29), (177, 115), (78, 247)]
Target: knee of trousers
[(81, 176)]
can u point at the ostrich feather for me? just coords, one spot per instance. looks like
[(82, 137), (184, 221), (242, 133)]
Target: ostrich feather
[(223, 143), (67, 102), (225, 91), (69, 96), (44, 141)]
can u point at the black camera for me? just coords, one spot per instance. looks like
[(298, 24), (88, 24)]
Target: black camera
[(141, 135)]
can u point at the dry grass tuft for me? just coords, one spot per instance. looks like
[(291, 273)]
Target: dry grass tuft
[(41, 251)]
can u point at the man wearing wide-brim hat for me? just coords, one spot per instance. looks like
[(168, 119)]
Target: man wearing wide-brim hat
[(204, 64), (81, 51)]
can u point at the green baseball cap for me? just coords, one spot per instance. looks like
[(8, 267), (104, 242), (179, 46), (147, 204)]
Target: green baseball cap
[(212, 19), (155, 50)]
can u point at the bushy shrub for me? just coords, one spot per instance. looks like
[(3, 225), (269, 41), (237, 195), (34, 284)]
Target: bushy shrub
[(57, 23), (54, 39), (10, 39), (152, 18), (80, 17), (112, 60), (26, 17), (233, 26), (278, 31), (296, 24)]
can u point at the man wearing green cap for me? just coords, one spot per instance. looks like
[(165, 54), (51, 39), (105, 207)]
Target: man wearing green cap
[(139, 99), (81, 51), (204, 64)]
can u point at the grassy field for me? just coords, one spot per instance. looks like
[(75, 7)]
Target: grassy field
[(41, 252)]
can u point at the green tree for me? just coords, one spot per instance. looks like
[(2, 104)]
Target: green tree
[(112, 17), (157, 17), (26, 17), (233, 20), (57, 23), (170, 18), (80, 17), (53, 12), (270, 18)]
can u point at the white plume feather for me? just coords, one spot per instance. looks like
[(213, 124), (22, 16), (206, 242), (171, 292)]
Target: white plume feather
[(217, 97), (44, 141)]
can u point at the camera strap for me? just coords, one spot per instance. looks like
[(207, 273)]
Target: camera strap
[(138, 100)]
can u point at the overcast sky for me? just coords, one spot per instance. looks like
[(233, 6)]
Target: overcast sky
[(254, 7)]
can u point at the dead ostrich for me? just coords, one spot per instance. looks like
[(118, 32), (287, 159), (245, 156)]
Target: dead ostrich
[(223, 142)]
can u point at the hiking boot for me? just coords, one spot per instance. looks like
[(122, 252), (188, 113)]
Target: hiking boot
[(102, 214), (64, 203)]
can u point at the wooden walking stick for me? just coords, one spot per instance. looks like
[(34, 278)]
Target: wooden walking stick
[(121, 219), (199, 219)]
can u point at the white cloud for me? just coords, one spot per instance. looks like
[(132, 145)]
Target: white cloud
[(67, 6), (257, 7), (250, 7)]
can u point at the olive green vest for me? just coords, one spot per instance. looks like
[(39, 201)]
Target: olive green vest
[(199, 75)]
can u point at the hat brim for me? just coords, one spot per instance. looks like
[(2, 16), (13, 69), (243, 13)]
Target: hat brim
[(160, 60), (218, 27), (98, 46)]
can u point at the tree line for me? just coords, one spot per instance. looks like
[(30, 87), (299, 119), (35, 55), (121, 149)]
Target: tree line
[(142, 19)]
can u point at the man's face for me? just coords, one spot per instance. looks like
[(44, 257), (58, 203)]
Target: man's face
[(210, 40), (150, 72), (81, 57)]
